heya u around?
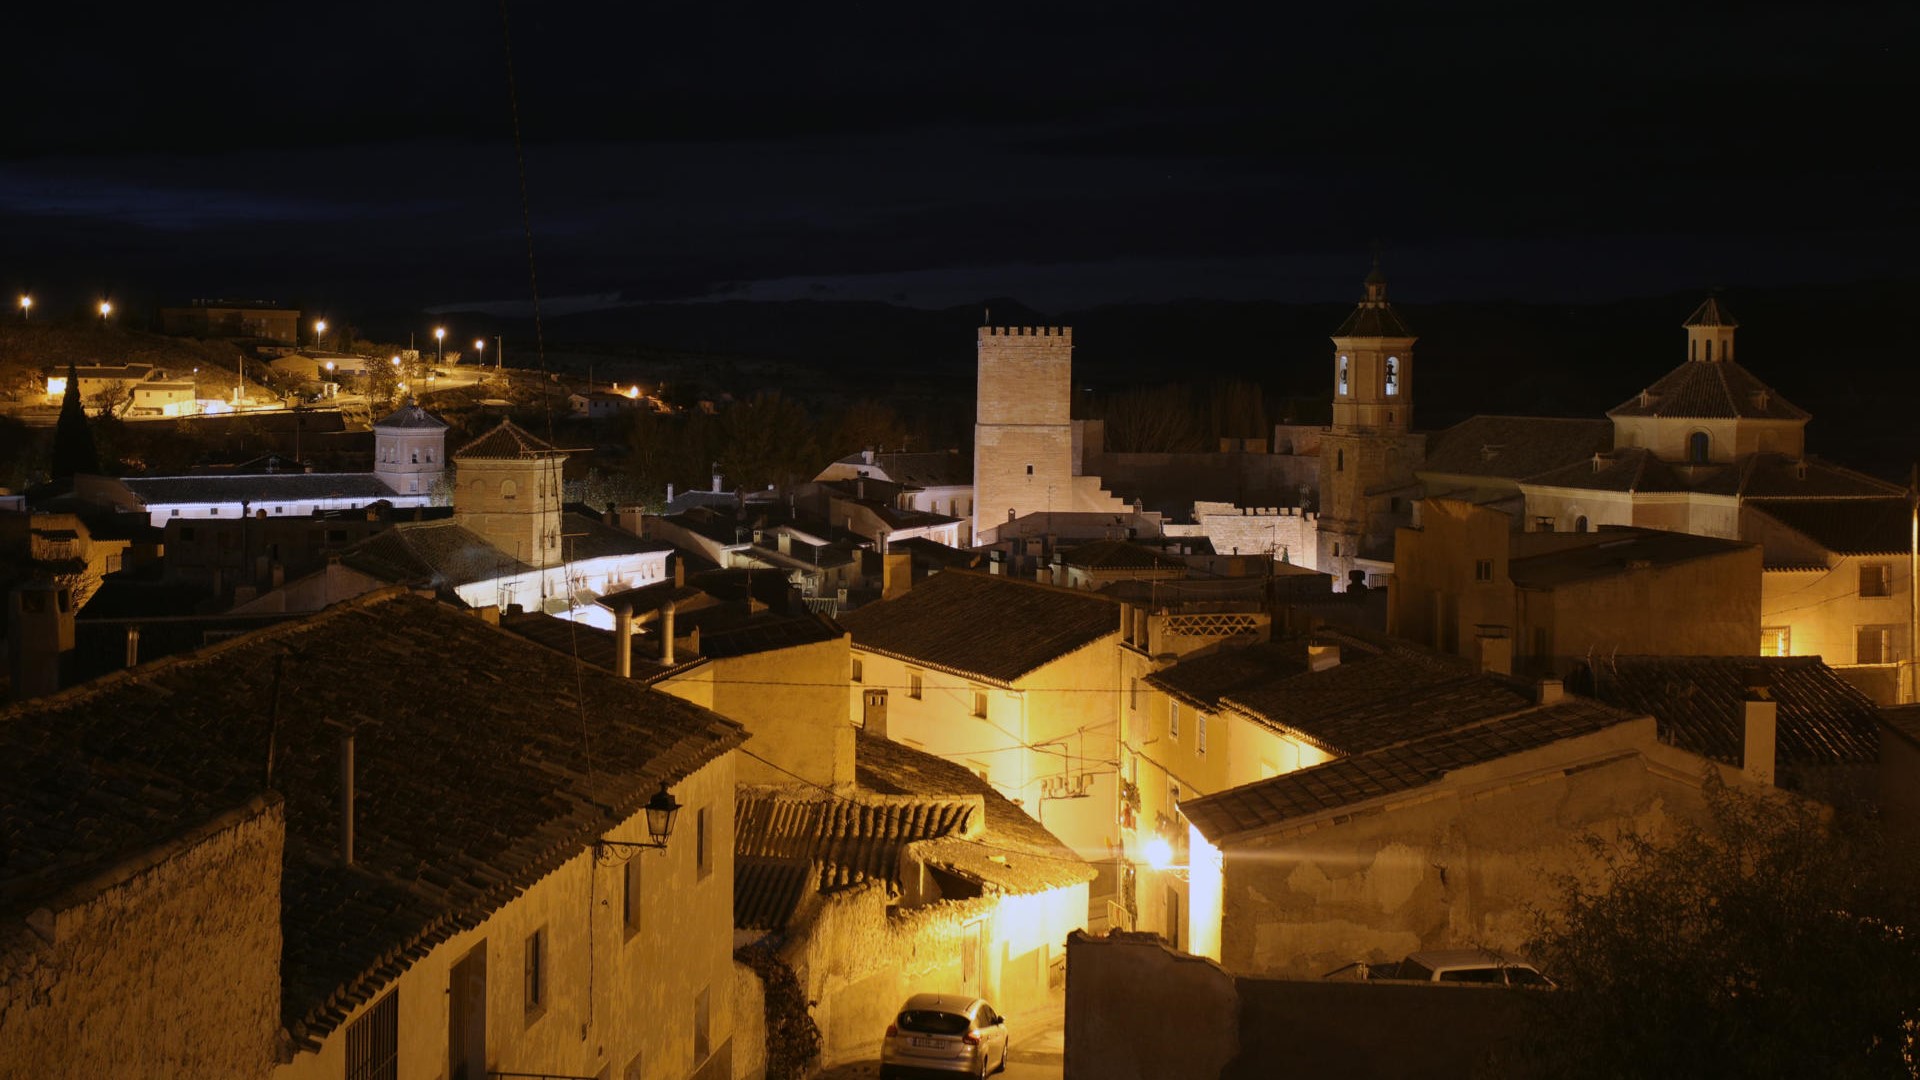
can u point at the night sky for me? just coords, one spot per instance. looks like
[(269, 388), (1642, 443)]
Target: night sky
[(360, 155)]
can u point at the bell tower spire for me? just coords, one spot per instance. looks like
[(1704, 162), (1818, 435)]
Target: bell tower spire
[(1710, 332)]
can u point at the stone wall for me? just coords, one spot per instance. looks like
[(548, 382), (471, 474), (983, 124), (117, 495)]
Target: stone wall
[(1137, 1010), (166, 965), (1283, 533)]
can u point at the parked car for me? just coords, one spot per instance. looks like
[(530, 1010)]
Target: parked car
[(945, 1033), (1483, 966)]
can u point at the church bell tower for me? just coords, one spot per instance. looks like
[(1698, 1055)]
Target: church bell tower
[(1369, 454)]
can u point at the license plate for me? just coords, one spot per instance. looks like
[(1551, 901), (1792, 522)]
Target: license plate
[(933, 1043)]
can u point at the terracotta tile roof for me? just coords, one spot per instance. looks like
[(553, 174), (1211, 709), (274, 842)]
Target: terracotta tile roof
[(1846, 526), (982, 625), (1699, 702), (768, 888), (931, 469), (1515, 447), (1776, 476), (1903, 721), (1710, 313), (410, 415), (259, 489), (1631, 468), (583, 535), (437, 554), (1607, 553), (1119, 555), (1368, 701), (1204, 681), (1469, 739), (1716, 389), (507, 440), (474, 776)]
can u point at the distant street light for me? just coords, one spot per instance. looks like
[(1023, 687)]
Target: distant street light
[(439, 344), (480, 351), (106, 308), (26, 307), (319, 333)]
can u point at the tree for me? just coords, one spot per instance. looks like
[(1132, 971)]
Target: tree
[(1152, 421), (1769, 941)]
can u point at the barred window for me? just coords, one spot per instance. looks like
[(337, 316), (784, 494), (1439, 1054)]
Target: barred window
[(373, 1041)]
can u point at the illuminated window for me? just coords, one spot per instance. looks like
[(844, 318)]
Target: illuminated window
[(1879, 644), (914, 685), (1776, 641), (980, 703), (1876, 580), (1342, 387), (1393, 375)]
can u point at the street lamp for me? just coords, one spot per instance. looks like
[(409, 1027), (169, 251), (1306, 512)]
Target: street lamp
[(106, 308), (439, 344), (26, 307), (319, 333), (480, 351), (662, 810)]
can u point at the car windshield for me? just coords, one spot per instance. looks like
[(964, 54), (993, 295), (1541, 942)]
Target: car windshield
[(930, 1022), (1526, 976), (1472, 975)]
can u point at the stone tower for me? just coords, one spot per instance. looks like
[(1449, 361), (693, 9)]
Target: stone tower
[(1023, 428), (507, 488), (1368, 455), (410, 450)]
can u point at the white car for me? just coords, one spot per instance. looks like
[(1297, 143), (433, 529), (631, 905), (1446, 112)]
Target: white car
[(1483, 966), (944, 1033)]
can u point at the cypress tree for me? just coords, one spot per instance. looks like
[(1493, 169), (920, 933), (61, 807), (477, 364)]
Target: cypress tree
[(73, 449)]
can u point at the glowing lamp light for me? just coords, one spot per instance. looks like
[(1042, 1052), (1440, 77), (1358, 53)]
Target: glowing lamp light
[(26, 305), (396, 361), (106, 308), (56, 385), (329, 366), (439, 333), (1159, 853), (633, 391), (478, 344)]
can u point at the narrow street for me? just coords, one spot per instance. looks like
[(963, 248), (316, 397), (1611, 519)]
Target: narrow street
[(1038, 1053)]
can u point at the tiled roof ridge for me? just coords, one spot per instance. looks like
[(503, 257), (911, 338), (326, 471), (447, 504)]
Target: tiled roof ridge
[(1342, 753), (96, 687), (525, 442)]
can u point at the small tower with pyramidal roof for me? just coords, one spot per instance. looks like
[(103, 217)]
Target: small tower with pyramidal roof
[(507, 488), (1710, 332), (410, 450)]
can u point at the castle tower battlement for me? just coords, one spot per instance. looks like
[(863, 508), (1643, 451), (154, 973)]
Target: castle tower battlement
[(1023, 425)]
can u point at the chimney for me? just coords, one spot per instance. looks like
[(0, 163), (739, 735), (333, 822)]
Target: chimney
[(133, 646), (666, 634), (1321, 657), (996, 563), (1762, 729), (896, 574), (346, 797), (860, 488), (1550, 691), (679, 571), (1126, 622), (716, 483), (623, 642), (669, 493), (786, 542), (867, 455)]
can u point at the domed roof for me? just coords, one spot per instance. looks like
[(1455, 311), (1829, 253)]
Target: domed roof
[(411, 415)]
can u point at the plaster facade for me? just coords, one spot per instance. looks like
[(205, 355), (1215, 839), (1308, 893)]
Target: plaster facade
[(617, 1004), (1456, 863), (165, 965), (793, 701), (514, 503)]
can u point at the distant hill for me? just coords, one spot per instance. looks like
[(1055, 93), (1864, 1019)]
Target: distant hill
[(1496, 357), (28, 348)]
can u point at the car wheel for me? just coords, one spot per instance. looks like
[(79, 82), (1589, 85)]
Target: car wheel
[(1002, 1067)]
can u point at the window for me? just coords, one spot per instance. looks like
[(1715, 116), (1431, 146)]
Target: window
[(1393, 376), (1339, 460), (1341, 388), (1200, 734), (913, 685), (703, 842), (980, 703), (1776, 641), (1133, 695), (415, 458), (1483, 569), (175, 512), (1173, 797), (509, 489), (1580, 524), (534, 976), (1700, 444), (702, 1036), (1876, 579), (1543, 523), (859, 669), (630, 896), (1879, 644), (1173, 719), (1029, 470), (373, 1041)]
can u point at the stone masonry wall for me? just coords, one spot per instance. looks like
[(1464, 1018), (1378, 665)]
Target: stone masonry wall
[(167, 965)]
